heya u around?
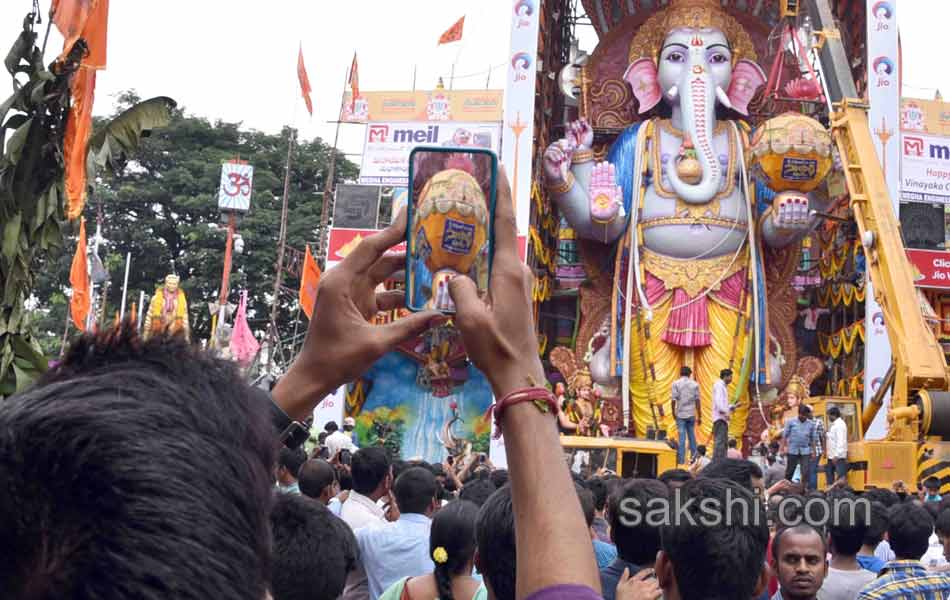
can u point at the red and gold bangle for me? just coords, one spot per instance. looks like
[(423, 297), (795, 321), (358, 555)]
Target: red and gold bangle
[(582, 156), (563, 187), (541, 397)]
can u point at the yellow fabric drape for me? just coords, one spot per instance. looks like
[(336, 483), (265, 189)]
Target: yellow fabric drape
[(705, 362)]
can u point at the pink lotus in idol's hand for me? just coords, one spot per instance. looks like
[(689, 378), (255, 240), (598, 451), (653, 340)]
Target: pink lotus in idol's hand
[(803, 89), (453, 405)]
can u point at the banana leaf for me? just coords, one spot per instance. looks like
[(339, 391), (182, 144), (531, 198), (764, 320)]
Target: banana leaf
[(113, 143)]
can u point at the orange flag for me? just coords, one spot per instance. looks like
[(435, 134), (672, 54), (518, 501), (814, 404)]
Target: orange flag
[(86, 19), (354, 82), (309, 280), (79, 280), (453, 33), (304, 81)]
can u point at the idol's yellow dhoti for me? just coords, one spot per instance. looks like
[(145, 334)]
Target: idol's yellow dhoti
[(710, 338)]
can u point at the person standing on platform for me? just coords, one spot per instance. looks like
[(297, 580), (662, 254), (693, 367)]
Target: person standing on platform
[(685, 399), (721, 413), (837, 467), (799, 438)]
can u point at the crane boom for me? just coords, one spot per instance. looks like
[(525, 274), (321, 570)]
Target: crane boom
[(918, 358)]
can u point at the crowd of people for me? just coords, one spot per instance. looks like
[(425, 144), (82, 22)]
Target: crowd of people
[(150, 469)]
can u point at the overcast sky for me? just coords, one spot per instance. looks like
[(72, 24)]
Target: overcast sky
[(236, 60)]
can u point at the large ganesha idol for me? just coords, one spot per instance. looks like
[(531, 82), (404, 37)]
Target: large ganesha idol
[(689, 224)]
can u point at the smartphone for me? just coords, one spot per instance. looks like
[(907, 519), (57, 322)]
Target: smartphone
[(450, 225)]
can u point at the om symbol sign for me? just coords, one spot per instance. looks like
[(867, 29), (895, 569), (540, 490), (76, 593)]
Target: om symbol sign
[(239, 183)]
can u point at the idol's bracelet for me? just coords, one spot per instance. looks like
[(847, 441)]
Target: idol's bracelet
[(541, 397), (564, 187), (582, 156)]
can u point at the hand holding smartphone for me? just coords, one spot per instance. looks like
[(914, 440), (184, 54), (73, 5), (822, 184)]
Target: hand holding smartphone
[(449, 231)]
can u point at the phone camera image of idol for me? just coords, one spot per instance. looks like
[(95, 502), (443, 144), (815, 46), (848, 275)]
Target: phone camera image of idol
[(449, 229)]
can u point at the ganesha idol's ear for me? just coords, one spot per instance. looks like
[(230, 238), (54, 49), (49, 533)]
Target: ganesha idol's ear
[(641, 75), (747, 77)]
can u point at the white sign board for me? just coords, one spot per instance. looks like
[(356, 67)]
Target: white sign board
[(387, 147), (925, 168), (329, 409), (518, 149), (235, 191), (884, 118)]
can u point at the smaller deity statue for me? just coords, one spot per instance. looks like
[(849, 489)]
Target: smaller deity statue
[(582, 413), (796, 392), (168, 310)]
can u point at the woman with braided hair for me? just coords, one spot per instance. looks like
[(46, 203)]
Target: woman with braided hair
[(452, 548)]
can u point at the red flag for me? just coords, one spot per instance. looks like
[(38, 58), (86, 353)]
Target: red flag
[(354, 82), (304, 81), (87, 19), (79, 280), (309, 280), (453, 33)]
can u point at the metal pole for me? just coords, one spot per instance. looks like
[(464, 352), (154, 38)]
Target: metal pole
[(282, 239), (125, 285), (226, 271), (328, 185)]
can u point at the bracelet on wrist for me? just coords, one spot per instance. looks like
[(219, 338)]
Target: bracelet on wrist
[(563, 187), (582, 156), (541, 397)]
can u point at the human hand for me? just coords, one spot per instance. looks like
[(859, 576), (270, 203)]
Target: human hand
[(341, 343), (642, 586), (580, 133), (390, 507), (606, 197), (557, 162), (498, 331)]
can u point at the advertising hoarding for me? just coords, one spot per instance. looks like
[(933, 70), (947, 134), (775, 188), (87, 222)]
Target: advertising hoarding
[(925, 168), (437, 105), (388, 144), (931, 268)]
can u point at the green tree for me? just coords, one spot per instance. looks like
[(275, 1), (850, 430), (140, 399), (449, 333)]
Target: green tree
[(162, 208)]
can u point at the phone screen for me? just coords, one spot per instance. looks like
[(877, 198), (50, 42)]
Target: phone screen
[(449, 229)]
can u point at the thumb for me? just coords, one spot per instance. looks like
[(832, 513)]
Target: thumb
[(469, 308), (406, 328), (626, 575)]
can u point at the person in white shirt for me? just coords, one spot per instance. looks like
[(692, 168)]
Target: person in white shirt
[(372, 478), (721, 413), (337, 440), (836, 469)]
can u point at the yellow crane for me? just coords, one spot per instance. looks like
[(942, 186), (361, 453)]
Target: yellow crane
[(919, 415)]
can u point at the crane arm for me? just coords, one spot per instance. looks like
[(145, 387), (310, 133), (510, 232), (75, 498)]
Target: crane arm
[(918, 358)]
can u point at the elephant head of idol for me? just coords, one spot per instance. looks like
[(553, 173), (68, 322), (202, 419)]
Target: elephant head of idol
[(693, 55)]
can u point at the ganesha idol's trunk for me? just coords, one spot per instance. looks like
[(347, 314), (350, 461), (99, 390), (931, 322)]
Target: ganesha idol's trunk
[(697, 100)]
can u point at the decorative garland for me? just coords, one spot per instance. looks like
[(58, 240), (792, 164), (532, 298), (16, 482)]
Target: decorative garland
[(841, 341), (833, 295)]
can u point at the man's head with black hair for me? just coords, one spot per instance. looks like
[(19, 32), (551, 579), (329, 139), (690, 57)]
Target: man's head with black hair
[(833, 413), (289, 463), (685, 371), (909, 531), (372, 472), (850, 525), (799, 561), (499, 477), (132, 459), (416, 491), (331, 427), (636, 538), (318, 480), (732, 443), (598, 487), (345, 478), (726, 376), (701, 450), (744, 472), (880, 519), (587, 503), (495, 543), (674, 478), (886, 497), (715, 549), (477, 491), (932, 485), (942, 527), (313, 550)]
